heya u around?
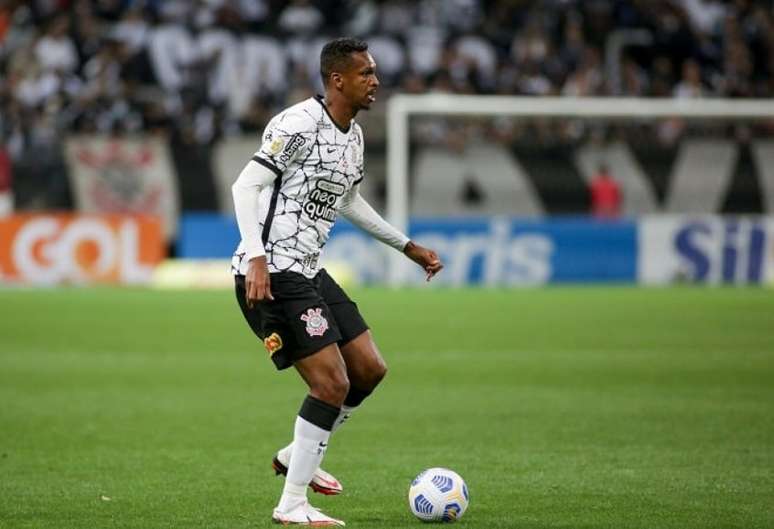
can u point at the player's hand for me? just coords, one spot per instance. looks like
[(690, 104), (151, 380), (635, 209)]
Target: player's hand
[(425, 258), (257, 281)]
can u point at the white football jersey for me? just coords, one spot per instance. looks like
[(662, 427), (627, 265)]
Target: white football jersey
[(316, 164)]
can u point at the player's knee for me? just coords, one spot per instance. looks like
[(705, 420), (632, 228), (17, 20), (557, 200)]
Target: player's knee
[(333, 390), (338, 388), (374, 375), (379, 372)]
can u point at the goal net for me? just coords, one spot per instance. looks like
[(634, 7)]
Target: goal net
[(471, 157)]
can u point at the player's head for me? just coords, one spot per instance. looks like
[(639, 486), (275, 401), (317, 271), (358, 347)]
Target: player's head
[(348, 69)]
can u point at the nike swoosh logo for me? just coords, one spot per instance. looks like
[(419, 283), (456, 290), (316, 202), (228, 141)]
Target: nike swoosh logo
[(323, 445), (331, 150)]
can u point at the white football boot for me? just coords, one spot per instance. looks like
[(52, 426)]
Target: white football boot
[(305, 514), (322, 482)]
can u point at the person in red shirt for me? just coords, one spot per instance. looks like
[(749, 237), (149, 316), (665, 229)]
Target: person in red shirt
[(605, 194)]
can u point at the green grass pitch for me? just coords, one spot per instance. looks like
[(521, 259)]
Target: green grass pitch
[(578, 407)]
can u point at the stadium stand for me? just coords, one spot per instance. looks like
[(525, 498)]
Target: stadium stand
[(198, 72)]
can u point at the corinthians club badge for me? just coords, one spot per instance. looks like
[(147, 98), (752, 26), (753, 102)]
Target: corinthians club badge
[(316, 324)]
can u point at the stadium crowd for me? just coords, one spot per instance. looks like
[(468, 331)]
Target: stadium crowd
[(211, 67)]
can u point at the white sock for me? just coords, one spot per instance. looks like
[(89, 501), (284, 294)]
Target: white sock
[(345, 413), (309, 445)]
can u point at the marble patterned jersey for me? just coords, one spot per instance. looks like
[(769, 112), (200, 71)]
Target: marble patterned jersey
[(316, 163)]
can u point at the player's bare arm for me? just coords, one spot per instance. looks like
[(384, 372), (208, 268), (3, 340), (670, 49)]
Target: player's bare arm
[(425, 258), (258, 281)]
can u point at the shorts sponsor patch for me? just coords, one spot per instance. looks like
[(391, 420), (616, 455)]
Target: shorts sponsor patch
[(273, 343), (316, 324)]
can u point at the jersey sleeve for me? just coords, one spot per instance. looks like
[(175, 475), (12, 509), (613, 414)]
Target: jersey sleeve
[(287, 138), (360, 154)]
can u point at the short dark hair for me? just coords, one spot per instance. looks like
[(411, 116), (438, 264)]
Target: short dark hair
[(336, 54)]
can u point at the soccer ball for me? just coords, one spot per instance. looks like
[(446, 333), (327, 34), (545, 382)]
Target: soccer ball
[(438, 495)]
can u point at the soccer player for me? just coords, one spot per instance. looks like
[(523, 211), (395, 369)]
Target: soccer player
[(287, 198)]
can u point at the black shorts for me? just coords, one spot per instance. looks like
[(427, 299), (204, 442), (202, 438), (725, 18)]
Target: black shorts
[(305, 316)]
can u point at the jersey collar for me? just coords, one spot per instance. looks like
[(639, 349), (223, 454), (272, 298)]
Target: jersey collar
[(320, 100)]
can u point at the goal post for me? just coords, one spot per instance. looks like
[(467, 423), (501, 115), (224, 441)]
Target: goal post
[(401, 107)]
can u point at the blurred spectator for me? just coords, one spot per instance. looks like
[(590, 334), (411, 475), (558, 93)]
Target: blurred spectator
[(55, 51), (132, 31), (480, 60), (398, 16), (690, 85), (172, 53), (425, 46), (263, 73), (587, 79), (705, 15), (300, 17), (389, 56), (605, 194), (635, 80), (5, 20)]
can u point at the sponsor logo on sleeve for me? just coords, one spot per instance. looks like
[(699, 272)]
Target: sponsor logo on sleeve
[(296, 142)]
